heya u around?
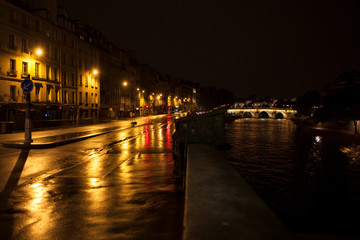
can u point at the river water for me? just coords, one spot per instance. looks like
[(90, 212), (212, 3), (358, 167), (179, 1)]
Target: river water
[(311, 182)]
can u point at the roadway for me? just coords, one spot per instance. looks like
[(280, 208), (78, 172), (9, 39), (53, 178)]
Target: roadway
[(115, 185)]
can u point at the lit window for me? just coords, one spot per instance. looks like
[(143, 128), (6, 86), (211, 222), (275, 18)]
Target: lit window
[(37, 69), (24, 68), (48, 93)]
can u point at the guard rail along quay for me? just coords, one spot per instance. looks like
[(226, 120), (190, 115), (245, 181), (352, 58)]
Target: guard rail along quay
[(219, 204)]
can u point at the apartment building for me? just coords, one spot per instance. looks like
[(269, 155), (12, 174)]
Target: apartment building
[(26, 41), (77, 73), (62, 62), (89, 72)]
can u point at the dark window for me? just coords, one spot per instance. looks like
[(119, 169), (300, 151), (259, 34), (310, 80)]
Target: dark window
[(12, 92), (64, 79), (13, 16), (73, 80), (80, 80), (56, 74), (47, 72), (48, 28), (24, 46), (12, 42), (38, 26), (25, 21), (12, 65)]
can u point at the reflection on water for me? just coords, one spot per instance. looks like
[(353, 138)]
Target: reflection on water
[(309, 181), (352, 152)]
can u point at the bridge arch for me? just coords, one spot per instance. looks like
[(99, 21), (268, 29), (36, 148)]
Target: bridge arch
[(264, 114), (279, 115), (247, 115)]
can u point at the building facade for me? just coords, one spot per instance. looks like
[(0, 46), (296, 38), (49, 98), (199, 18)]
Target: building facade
[(77, 73)]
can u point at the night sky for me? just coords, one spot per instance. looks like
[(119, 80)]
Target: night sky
[(277, 48)]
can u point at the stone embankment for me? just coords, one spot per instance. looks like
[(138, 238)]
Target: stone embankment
[(219, 204)]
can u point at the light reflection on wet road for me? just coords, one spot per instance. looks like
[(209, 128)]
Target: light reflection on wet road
[(115, 186)]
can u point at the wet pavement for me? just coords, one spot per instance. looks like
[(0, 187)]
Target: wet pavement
[(118, 184)]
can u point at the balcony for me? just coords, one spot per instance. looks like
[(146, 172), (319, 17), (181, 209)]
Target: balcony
[(12, 73), (24, 74)]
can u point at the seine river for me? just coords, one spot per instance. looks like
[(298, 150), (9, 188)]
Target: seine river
[(311, 182)]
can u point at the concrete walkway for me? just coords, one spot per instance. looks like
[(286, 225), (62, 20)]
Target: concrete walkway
[(99, 188), (64, 135), (219, 204)]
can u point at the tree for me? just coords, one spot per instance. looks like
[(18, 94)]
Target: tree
[(342, 101), (306, 103)]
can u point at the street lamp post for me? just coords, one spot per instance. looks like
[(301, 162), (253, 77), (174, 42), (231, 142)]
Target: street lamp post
[(27, 86), (125, 84)]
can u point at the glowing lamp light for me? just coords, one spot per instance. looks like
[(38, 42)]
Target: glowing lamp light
[(39, 52), (95, 72), (125, 83)]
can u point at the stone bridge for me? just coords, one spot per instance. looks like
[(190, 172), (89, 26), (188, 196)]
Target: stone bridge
[(276, 113)]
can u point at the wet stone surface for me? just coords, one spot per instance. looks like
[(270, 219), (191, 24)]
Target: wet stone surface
[(95, 189)]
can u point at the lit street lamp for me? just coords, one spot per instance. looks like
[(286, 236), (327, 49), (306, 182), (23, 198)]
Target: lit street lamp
[(124, 96)]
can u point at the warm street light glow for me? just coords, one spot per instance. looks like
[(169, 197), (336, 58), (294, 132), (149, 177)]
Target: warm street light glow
[(160, 95), (137, 89), (143, 91), (125, 83), (95, 72), (39, 52)]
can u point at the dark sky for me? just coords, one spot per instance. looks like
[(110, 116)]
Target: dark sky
[(277, 48)]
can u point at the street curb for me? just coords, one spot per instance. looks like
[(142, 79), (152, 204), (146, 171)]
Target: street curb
[(21, 145), (50, 144)]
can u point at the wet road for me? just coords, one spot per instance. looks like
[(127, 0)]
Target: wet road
[(115, 186)]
